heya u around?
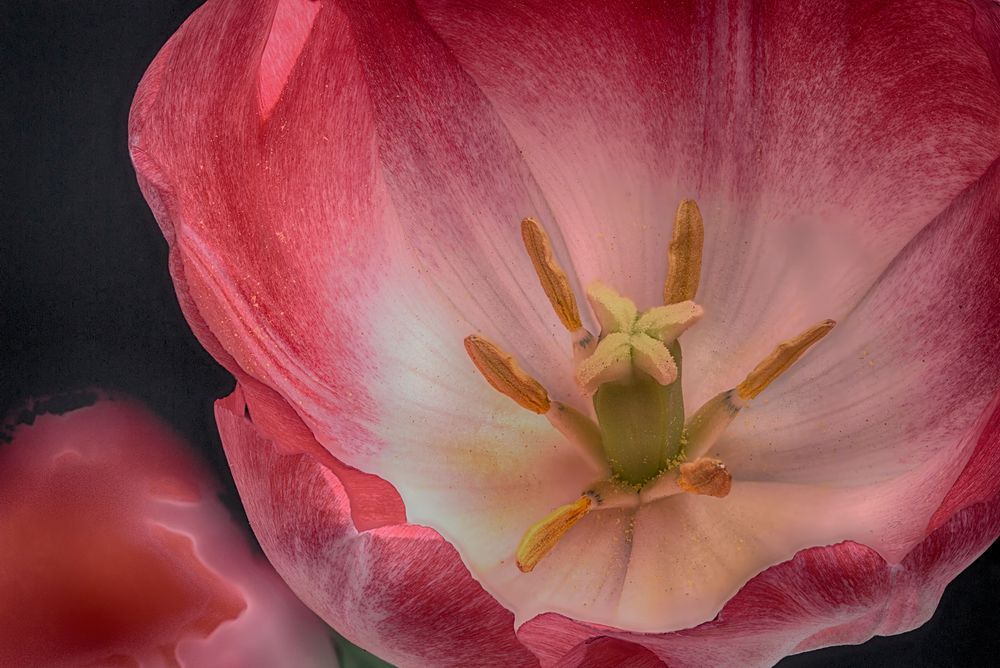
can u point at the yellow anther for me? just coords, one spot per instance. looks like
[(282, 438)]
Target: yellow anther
[(684, 254), (705, 476), (784, 356), (502, 372), (550, 274), (539, 540)]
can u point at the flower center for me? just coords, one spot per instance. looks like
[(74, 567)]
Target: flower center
[(631, 370)]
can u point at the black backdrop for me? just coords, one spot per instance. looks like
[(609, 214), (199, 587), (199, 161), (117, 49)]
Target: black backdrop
[(85, 298)]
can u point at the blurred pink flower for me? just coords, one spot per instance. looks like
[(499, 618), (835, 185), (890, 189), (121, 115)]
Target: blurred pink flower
[(342, 189), (117, 552)]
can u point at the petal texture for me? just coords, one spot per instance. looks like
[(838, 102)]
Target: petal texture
[(841, 594), (791, 123), (399, 590), (901, 381)]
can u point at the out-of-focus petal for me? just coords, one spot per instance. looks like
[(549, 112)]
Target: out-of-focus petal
[(118, 553), (399, 589)]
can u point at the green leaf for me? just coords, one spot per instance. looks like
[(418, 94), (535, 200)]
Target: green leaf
[(352, 656)]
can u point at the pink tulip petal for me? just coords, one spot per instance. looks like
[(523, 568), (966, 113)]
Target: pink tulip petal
[(399, 590), (236, 266), (900, 381), (793, 124), (290, 29), (345, 273), (843, 594), (892, 457), (686, 555), (116, 552), (429, 261), (602, 652), (872, 472), (421, 426)]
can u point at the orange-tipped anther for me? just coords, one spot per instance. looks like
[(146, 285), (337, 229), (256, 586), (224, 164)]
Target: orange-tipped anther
[(784, 356), (539, 540), (550, 274), (502, 372)]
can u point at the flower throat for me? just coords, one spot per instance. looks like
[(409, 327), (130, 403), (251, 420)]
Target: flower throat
[(631, 370)]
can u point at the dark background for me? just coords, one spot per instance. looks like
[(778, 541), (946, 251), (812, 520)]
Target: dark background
[(85, 298)]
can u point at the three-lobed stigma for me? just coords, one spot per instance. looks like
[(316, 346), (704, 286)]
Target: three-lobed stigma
[(639, 436)]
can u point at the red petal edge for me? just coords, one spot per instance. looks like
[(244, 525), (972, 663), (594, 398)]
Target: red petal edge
[(397, 589)]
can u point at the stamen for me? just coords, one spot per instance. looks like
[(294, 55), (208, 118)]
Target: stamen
[(709, 422), (660, 487), (502, 372), (705, 476), (784, 356), (706, 426), (581, 431), (539, 540), (684, 254), (550, 274)]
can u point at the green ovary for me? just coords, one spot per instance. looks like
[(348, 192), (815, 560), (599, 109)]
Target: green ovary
[(642, 424)]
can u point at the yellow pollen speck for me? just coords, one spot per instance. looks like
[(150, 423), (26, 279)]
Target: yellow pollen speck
[(684, 254), (539, 540), (550, 274), (784, 356), (502, 372)]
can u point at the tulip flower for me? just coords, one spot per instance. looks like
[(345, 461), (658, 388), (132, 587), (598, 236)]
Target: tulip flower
[(117, 552), (573, 332)]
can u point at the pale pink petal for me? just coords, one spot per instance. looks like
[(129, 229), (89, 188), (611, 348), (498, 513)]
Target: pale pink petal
[(843, 594), (674, 563), (785, 121), (847, 450), (398, 590), (900, 381)]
